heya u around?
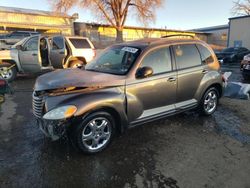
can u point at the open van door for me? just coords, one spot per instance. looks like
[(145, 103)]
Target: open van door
[(58, 52)]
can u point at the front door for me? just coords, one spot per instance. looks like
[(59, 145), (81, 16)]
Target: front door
[(29, 55), (58, 52), (155, 95)]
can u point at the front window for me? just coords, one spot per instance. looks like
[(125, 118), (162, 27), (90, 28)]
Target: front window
[(115, 60), (19, 43), (159, 60)]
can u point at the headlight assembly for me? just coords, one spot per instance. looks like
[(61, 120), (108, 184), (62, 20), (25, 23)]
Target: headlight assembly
[(60, 113)]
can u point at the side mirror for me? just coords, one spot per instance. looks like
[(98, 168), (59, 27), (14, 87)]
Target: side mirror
[(19, 47), (144, 72)]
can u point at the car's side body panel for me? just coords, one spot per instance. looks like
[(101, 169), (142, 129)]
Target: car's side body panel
[(110, 98)]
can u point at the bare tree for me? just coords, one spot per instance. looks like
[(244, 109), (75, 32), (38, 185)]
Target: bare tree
[(115, 12), (241, 7)]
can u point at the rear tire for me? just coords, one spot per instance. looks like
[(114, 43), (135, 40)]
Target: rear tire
[(8, 74), (209, 102), (94, 133), (76, 64)]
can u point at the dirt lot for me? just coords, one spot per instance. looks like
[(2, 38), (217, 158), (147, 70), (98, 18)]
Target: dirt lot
[(182, 151)]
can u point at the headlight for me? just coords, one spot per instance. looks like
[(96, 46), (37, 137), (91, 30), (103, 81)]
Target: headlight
[(60, 113)]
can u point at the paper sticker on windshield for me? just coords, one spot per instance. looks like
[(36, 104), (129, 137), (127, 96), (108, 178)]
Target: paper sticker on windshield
[(130, 49)]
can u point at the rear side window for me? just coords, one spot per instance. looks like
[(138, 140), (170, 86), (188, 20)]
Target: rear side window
[(57, 43), (80, 43), (186, 55), (206, 55), (159, 60)]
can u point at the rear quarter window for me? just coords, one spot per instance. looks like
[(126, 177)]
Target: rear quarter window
[(80, 43), (186, 55), (206, 55)]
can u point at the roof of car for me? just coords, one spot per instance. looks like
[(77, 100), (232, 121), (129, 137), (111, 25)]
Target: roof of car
[(159, 41)]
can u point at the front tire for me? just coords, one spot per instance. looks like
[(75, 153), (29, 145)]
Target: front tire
[(7, 73), (209, 102), (94, 133)]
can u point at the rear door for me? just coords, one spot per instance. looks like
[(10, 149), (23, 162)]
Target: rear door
[(190, 72), (58, 52), (29, 55)]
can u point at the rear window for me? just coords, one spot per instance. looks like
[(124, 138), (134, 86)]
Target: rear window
[(186, 55), (80, 43)]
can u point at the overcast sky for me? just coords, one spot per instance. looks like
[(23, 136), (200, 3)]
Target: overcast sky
[(175, 14)]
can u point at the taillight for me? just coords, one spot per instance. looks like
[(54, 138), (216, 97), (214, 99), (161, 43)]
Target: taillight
[(3, 83)]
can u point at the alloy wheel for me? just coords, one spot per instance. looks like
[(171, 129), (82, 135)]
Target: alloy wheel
[(96, 133), (6, 73), (210, 102)]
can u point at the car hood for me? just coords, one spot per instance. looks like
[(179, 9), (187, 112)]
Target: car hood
[(77, 78), (8, 54)]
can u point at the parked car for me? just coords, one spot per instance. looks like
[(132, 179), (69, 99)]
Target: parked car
[(245, 67), (231, 55), (126, 85), (33, 54), (4, 89), (12, 38)]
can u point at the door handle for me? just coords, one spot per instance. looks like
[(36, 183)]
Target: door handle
[(172, 79), (204, 71), (34, 54), (61, 52)]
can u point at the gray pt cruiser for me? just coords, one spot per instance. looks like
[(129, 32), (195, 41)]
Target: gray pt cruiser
[(126, 85)]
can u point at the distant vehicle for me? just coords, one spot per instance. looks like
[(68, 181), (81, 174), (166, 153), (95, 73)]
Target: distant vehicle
[(4, 89), (126, 85), (33, 54), (232, 55), (14, 37), (245, 67)]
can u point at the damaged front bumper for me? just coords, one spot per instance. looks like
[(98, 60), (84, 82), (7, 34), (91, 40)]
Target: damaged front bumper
[(53, 129)]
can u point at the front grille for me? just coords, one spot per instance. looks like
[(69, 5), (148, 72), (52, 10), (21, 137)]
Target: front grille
[(37, 105)]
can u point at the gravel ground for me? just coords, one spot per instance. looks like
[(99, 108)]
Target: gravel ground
[(185, 150)]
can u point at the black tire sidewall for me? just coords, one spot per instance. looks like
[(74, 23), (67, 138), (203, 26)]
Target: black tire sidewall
[(13, 69), (80, 125), (203, 111)]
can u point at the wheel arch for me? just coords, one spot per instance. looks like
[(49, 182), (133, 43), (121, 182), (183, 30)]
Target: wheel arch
[(120, 121), (10, 61), (218, 87), (71, 59)]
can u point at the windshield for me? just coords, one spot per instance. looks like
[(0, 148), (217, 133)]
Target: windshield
[(19, 43), (115, 60), (230, 50)]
